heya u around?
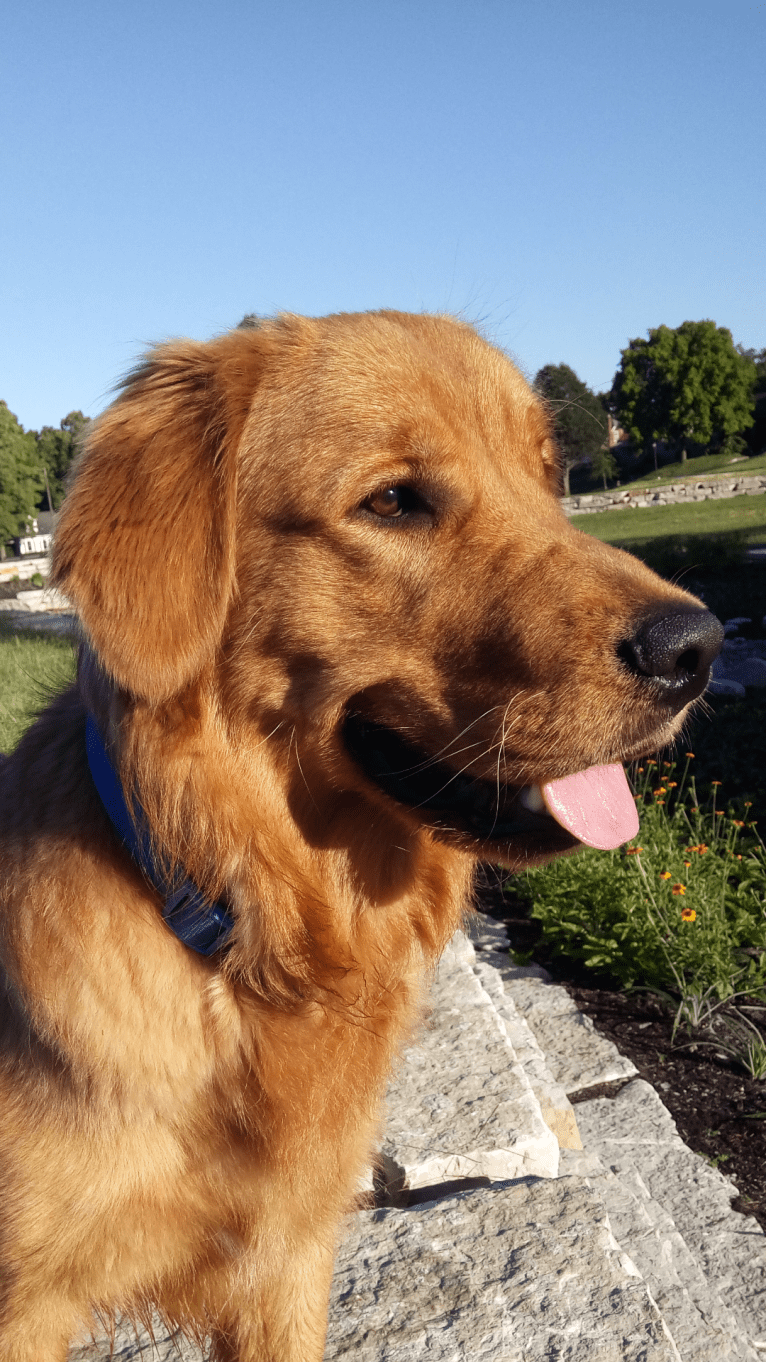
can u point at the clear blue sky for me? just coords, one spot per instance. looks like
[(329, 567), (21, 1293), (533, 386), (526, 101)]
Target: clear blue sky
[(569, 174)]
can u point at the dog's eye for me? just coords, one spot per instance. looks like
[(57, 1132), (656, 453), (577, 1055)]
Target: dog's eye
[(393, 502)]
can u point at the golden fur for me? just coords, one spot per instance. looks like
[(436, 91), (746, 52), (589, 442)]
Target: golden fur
[(187, 1133)]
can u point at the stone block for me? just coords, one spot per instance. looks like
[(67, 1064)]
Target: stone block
[(523, 1271), (460, 1104), (557, 1111), (577, 1056), (634, 1131)]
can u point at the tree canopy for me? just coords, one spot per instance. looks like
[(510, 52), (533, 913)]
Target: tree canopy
[(579, 417), (57, 450), (688, 387), (756, 435), (21, 478)]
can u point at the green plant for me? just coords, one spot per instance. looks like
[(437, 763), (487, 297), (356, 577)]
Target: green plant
[(37, 580), (680, 911), (741, 1040)]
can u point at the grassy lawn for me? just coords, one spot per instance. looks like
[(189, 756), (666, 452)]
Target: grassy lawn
[(744, 517), (33, 667)]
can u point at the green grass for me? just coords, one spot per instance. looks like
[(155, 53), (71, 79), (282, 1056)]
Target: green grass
[(33, 667), (742, 516)]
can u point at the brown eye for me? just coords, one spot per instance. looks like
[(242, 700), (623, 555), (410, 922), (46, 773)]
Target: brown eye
[(393, 502)]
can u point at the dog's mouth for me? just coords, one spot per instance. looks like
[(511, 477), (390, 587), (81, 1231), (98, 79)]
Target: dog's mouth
[(593, 807)]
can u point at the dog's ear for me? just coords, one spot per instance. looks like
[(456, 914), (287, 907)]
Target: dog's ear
[(145, 545)]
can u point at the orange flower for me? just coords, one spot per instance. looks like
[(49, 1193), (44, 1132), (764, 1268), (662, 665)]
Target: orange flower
[(640, 771), (633, 851), (672, 784), (688, 915), (702, 848), (738, 823), (660, 801), (696, 808), (715, 782), (665, 875), (689, 754), (687, 864), (679, 889)]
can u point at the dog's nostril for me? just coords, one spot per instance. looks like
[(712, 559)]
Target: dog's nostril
[(689, 661), (675, 649)]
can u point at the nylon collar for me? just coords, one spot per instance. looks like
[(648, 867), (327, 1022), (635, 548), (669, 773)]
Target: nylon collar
[(203, 926)]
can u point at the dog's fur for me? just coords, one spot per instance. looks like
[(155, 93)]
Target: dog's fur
[(187, 1133)]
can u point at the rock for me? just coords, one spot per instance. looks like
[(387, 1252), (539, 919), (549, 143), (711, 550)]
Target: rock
[(521, 1272), (43, 599), (136, 1345), (460, 1104), (734, 667), (718, 686), (634, 1131), (577, 1056), (556, 1109)]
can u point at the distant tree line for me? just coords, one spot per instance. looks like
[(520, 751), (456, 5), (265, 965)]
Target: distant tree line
[(679, 393), (33, 468)]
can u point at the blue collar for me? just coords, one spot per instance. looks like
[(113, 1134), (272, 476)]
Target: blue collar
[(203, 926)]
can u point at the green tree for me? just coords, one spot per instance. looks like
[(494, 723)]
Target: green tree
[(756, 435), (688, 387), (579, 417), (603, 464), (57, 450), (21, 478)]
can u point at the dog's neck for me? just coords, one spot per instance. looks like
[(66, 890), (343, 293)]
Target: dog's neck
[(202, 926)]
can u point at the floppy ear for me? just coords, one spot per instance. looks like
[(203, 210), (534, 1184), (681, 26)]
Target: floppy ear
[(145, 545)]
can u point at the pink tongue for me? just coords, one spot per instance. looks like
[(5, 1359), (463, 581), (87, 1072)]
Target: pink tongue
[(596, 806)]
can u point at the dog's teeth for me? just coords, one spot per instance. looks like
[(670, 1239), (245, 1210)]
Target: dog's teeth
[(532, 798)]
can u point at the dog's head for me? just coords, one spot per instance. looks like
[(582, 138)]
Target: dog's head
[(346, 534)]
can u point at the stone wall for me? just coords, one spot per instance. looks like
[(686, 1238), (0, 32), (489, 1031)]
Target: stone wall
[(692, 489)]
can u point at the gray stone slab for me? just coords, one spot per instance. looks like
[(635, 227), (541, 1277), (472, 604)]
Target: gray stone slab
[(577, 1056), (40, 599), (460, 1104), (704, 1329), (635, 1132), (524, 1271), (136, 1345), (555, 1107), (488, 939)]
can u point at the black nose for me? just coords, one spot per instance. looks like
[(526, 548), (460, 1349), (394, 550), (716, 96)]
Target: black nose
[(675, 651)]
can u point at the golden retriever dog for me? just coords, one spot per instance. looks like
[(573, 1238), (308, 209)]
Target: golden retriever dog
[(339, 643)]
